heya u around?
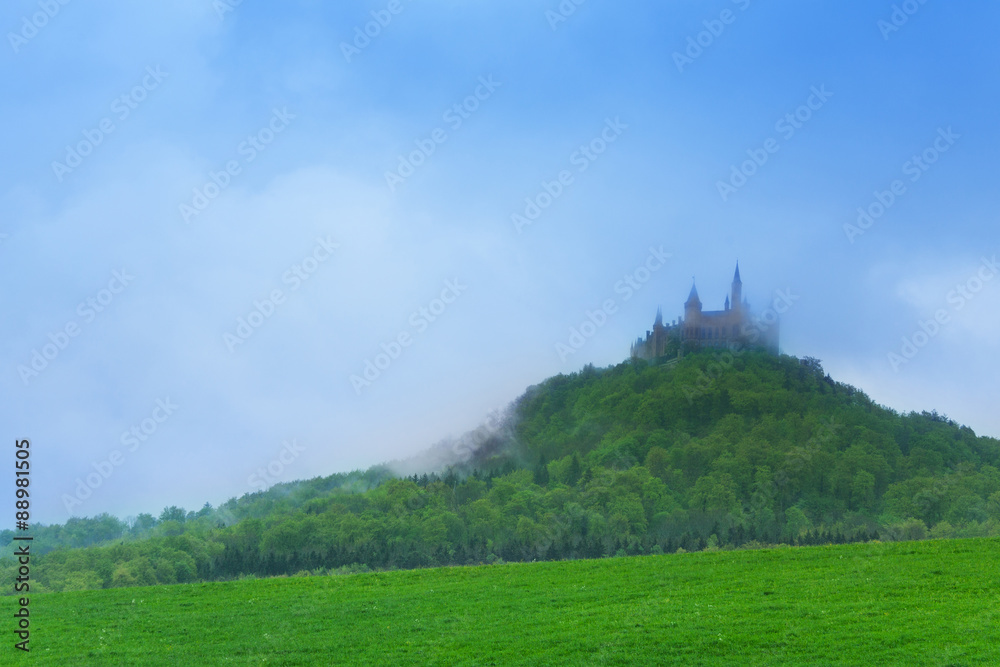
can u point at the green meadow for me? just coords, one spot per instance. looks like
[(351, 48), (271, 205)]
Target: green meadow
[(909, 603)]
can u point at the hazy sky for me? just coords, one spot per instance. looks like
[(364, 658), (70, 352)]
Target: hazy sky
[(217, 213)]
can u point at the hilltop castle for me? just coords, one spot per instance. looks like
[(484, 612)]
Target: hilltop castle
[(733, 327)]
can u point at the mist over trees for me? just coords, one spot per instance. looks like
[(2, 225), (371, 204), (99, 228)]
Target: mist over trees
[(634, 459)]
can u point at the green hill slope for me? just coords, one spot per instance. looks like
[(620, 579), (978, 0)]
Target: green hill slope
[(633, 459), (759, 433), (915, 603)]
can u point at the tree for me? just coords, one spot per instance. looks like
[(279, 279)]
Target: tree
[(863, 490), (574, 472), (658, 462), (796, 524), (173, 513), (714, 493), (143, 523)]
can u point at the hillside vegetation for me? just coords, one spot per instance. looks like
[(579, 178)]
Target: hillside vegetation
[(910, 603), (633, 459)]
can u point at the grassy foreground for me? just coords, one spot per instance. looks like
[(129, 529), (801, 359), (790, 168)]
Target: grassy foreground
[(912, 603)]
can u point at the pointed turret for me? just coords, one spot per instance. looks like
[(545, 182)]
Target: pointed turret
[(737, 287), (727, 302), (693, 304), (659, 318), (693, 296)]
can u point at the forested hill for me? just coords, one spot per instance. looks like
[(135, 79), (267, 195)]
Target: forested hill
[(711, 452), (749, 416)]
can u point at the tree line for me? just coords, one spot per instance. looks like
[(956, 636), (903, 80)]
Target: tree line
[(616, 461)]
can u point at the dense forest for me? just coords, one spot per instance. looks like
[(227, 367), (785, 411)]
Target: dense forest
[(711, 452)]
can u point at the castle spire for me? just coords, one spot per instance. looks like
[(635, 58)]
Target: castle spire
[(737, 287), (727, 302), (659, 318), (693, 296), (693, 303)]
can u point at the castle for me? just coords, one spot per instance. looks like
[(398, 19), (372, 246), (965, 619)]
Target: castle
[(733, 327)]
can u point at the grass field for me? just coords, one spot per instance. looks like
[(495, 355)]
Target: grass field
[(908, 603)]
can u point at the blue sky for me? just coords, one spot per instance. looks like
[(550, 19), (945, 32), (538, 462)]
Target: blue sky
[(613, 118)]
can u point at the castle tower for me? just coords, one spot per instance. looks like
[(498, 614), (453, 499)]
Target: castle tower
[(737, 288), (692, 306)]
